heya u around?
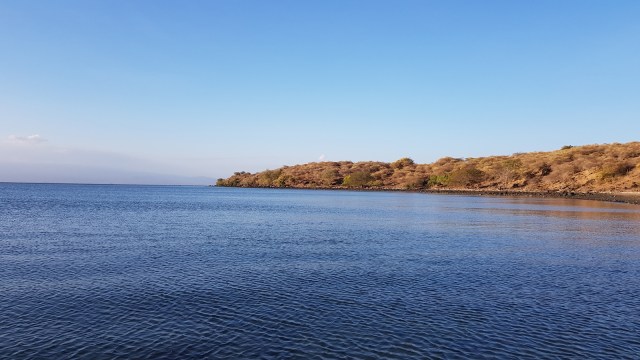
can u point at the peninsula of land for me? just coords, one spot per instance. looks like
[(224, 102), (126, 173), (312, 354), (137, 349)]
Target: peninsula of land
[(603, 172)]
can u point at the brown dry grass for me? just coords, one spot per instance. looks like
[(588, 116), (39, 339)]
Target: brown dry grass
[(589, 168)]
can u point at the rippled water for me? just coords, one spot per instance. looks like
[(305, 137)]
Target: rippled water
[(91, 271)]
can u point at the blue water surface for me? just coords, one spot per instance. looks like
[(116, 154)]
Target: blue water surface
[(112, 271)]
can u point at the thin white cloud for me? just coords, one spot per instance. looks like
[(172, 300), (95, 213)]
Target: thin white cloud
[(29, 139), (322, 157)]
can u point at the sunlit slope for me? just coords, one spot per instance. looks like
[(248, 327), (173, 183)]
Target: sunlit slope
[(589, 168)]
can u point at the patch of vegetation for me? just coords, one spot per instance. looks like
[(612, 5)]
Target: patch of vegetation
[(438, 180), (615, 169), (268, 178), (466, 176), (357, 179), (545, 169), (331, 177), (402, 163)]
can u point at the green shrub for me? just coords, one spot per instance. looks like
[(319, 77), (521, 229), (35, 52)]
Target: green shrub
[(357, 179), (438, 180)]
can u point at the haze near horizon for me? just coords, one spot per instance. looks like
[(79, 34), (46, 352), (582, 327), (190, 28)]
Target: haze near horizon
[(185, 92)]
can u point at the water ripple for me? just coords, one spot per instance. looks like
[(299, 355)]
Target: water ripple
[(166, 273)]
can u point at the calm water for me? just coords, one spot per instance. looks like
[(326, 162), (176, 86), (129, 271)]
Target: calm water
[(192, 272)]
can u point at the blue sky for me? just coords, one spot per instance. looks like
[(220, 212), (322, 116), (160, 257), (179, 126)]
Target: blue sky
[(165, 91)]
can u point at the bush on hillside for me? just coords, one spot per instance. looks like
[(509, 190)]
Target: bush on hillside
[(615, 169), (267, 178), (401, 163), (331, 177), (414, 182), (466, 176), (438, 180), (357, 179)]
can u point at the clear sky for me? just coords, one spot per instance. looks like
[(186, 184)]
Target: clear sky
[(165, 91)]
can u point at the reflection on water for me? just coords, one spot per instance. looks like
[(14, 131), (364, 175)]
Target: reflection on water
[(175, 272)]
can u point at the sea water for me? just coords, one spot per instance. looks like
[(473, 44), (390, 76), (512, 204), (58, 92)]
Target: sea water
[(108, 271)]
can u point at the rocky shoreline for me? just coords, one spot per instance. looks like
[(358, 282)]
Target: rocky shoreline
[(628, 198), (618, 197)]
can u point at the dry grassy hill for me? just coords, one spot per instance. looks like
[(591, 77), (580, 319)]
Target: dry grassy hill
[(589, 168)]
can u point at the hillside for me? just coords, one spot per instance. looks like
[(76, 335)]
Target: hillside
[(583, 169)]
